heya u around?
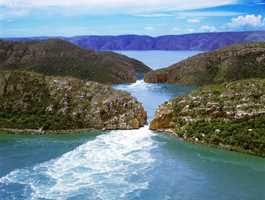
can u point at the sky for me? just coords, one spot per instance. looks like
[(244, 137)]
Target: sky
[(24, 18)]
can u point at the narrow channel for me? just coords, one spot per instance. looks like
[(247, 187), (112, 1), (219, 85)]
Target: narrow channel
[(131, 164)]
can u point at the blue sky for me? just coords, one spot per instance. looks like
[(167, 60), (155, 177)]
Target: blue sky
[(21, 18)]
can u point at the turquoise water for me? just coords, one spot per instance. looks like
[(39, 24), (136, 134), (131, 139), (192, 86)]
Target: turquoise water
[(152, 95), (120, 165)]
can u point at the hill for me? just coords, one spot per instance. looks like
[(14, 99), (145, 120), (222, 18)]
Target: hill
[(229, 115), (33, 101), (61, 58), (228, 64), (194, 41)]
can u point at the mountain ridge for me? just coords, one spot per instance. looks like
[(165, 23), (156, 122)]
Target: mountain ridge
[(231, 63), (61, 58), (193, 41)]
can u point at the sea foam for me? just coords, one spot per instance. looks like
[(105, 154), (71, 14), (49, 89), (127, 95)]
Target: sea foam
[(109, 167)]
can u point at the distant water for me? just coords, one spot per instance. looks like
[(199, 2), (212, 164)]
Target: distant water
[(158, 59), (152, 95), (126, 165)]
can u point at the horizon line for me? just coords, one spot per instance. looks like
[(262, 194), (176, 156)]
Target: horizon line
[(142, 35)]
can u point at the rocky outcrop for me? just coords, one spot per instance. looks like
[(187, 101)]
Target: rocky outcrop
[(34, 101), (228, 64), (230, 115), (60, 58)]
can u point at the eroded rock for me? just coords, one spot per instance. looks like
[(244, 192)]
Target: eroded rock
[(220, 115), (32, 101)]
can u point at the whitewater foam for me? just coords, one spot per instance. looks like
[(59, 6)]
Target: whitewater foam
[(109, 167)]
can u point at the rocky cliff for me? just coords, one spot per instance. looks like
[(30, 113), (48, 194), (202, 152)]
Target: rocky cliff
[(228, 64), (230, 115), (34, 101), (60, 58)]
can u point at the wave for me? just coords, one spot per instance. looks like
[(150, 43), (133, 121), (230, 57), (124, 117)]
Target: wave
[(109, 167)]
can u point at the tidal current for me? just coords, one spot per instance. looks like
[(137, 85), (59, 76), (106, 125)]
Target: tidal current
[(120, 165)]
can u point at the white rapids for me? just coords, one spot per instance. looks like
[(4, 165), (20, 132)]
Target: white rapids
[(109, 168)]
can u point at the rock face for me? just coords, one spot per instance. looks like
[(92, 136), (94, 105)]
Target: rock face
[(60, 58), (228, 64), (230, 115), (34, 101)]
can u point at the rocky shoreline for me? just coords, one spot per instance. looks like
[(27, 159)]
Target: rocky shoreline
[(42, 132), (52, 132), (229, 116), (37, 102), (192, 140)]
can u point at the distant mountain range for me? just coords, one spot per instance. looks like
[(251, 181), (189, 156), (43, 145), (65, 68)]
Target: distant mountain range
[(196, 41)]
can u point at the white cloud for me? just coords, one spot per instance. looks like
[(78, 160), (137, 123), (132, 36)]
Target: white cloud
[(186, 14), (207, 28), (206, 14), (194, 21), (247, 21), (118, 5)]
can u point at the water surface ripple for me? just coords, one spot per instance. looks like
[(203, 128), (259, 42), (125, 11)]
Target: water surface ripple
[(126, 165)]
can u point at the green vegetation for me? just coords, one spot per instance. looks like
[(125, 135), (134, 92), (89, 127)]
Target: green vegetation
[(229, 115), (44, 121), (59, 58), (232, 63), (239, 135), (33, 101)]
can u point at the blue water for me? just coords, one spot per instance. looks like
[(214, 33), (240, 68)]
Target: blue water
[(152, 95), (120, 165), (157, 59)]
